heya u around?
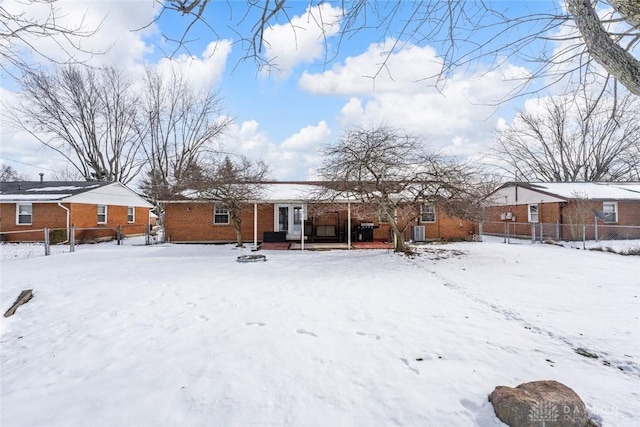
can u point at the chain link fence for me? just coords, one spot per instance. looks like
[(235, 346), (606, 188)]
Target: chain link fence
[(43, 242), (575, 235)]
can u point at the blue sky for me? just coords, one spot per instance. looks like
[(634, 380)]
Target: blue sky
[(284, 117)]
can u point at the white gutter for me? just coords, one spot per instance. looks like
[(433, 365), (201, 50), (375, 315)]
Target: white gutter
[(68, 213)]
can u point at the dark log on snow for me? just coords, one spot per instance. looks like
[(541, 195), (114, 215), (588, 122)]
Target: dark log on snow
[(23, 298)]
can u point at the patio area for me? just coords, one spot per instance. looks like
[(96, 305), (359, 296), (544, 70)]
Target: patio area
[(324, 246)]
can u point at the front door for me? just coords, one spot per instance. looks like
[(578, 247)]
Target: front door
[(289, 219)]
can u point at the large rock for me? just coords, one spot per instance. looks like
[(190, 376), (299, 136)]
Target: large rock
[(539, 403)]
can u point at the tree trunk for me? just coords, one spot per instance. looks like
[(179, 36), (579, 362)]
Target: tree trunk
[(616, 60), (237, 226), (399, 235)]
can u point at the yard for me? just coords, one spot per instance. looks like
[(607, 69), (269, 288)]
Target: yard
[(183, 335)]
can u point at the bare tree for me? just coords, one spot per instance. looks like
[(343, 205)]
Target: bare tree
[(88, 116), (67, 174), (574, 139), (23, 23), (8, 173), (232, 184), (182, 126), (554, 42), (394, 173), (578, 213), (612, 50)]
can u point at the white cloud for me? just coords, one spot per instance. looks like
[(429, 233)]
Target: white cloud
[(307, 138), (109, 26), (302, 39), (378, 70), (292, 159), (201, 71), (457, 118), (22, 151)]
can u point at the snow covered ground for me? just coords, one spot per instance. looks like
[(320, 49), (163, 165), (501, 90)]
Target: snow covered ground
[(183, 335)]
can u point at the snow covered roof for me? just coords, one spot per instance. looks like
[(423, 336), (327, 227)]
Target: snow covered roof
[(93, 192), (591, 190), (278, 192), (33, 191), (282, 192)]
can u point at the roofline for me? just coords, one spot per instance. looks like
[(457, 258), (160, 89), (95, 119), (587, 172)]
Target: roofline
[(34, 201), (532, 186), (529, 186), (183, 201), (116, 183)]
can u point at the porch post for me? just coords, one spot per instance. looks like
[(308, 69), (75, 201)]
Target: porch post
[(348, 231), (302, 214), (395, 238), (255, 226)]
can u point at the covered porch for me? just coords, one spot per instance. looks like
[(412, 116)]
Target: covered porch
[(323, 246)]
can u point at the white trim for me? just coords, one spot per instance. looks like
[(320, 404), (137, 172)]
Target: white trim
[(18, 214), (134, 215), (422, 213), (615, 211), (115, 194), (106, 214), (292, 234), (227, 213), (529, 216)]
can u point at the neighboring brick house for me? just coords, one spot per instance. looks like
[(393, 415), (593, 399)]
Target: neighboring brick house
[(96, 209), (289, 207), (566, 204)]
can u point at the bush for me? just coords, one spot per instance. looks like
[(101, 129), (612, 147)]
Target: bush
[(57, 235)]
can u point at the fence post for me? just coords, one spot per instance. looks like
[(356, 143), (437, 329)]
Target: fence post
[(595, 222), (584, 236), (480, 231), (557, 230), (541, 232), (119, 234), (533, 232), (72, 239), (47, 249)]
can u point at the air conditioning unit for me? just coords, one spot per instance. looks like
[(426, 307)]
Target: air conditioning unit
[(417, 233)]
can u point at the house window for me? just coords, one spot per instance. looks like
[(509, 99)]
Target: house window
[(23, 214), (221, 215), (533, 213), (131, 214), (382, 213), (610, 210), (102, 214), (427, 213)]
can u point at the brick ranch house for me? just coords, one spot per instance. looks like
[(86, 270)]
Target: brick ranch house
[(95, 208), (612, 206), (288, 208)]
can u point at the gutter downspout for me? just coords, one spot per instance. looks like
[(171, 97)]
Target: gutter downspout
[(68, 213)]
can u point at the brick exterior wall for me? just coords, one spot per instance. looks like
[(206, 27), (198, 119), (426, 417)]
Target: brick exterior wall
[(83, 216), (43, 215), (628, 212), (559, 212), (193, 222)]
